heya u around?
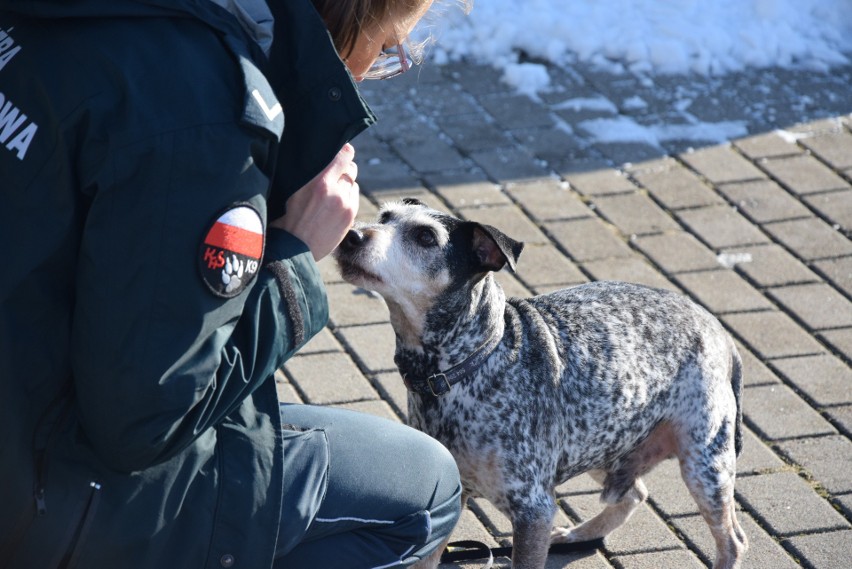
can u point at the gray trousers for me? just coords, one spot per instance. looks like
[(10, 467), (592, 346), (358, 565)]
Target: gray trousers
[(369, 493)]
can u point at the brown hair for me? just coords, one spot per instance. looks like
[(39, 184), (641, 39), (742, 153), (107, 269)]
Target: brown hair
[(346, 20)]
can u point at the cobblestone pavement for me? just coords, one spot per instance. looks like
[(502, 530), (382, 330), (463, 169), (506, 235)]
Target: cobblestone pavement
[(756, 230)]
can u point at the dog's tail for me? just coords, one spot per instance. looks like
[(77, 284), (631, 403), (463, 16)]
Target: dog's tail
[(737, 387)]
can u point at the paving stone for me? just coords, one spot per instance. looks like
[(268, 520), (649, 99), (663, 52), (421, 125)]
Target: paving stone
[(676, 252), (810, 239), (771, 265), (543, 265), (722, 291), (803, 174), (772, 334), (834, 148), (818, 305), (582, 484), (553, 145), (845, 504), (769, 145), (681, 559), (392, 389), (324, 341), (635, 214), (836, 207), (721, 227), (429, 154), (517, 111), (667, 491), (763, 405), (510, 164), (831, 550), (721, 164), (675, 186), (631, 269), (588, 239), (375, 407), (827, 459), (471, 133), (372, 346), (824, 379), (644, 531), (628, 152), (842, 416), (756, 457), (286, 392), (329, 272), (350, 305), (763, 551), (549, 200), (510, 220), (436, 100), (839, 272), (786, 505), (755, 371), (840, 341), (600, 182), (348, 383), (764, 201), (469, 191)]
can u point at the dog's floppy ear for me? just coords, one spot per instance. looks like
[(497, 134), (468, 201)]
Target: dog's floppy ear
[(493, 248), (412, 201)]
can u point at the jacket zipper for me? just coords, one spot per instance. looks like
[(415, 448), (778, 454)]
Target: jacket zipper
[(83, 528), (63, 403)]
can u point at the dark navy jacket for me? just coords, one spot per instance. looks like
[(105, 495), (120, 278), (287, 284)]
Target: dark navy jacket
[(144, 306)]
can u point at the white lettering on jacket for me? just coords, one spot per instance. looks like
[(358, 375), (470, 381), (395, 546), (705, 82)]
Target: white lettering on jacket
[(8, 49), (15, 128)]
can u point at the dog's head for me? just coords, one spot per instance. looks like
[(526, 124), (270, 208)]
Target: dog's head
[(413, 254)]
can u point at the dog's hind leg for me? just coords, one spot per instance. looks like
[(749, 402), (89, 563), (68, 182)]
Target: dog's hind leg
[(613, 515), (713, 491)]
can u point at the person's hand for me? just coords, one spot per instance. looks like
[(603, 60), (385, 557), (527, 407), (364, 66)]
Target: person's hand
[(321, 212)]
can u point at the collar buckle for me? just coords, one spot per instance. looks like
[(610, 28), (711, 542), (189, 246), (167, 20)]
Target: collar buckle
[(440, 388)]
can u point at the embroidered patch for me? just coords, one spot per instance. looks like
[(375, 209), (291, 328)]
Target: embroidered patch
[(230, 254)]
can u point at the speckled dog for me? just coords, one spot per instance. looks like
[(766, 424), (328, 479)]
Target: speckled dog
[(607, 378)]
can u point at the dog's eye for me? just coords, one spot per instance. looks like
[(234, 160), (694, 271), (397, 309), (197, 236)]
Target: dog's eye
[(385, 216), (426, 237)]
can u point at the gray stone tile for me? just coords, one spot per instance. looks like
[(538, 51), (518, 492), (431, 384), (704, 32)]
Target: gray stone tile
[(840, 341), (667, 490), (786, 505), (510, 220), (721, 227), (763, 405), (755, 371), (588, 239), (803, 174), (830, 550), (836, 207), (769, 145), (676, 252), (549, 200), (392, 389), (644, 531), (682, 559), (810, 239), (771, 265), (817, 305), (764, 201), (722, 291), (429, 154), (543, 265), (756, 457), (835, 148), (825, 379), (517, 111), (472, 191), (763, 551), (371, 345), (842, 416), (839, 272), (375, 407), (600, 182), (634, 213), (348, 385), (827, 459), (324, 341), (350, 305), (675, 186), (721, 164), (772, 334), (510, 164), (630, 269)]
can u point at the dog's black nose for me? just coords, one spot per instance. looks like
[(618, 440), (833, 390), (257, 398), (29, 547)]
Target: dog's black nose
[(353, 240)]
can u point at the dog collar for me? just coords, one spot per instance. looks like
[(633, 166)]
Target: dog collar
[(440, 383)]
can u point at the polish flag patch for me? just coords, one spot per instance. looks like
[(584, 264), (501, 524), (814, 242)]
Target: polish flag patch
[(230, 254)]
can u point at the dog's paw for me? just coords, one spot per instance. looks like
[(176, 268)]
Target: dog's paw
[(564, 535), (232, 273)]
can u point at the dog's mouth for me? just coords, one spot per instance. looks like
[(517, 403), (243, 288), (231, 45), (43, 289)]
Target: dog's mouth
[(354, 273)]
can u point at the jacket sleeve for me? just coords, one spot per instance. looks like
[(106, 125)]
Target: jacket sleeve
[(157, 357)]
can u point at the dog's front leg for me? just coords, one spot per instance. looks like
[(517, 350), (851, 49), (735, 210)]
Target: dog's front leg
[(530, 542)]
